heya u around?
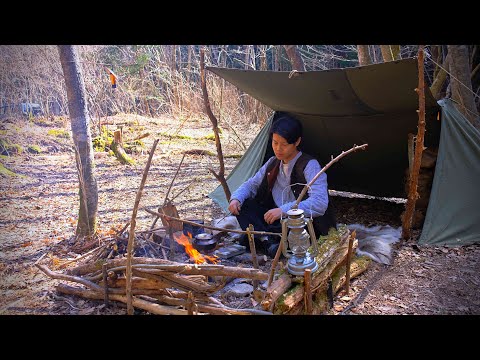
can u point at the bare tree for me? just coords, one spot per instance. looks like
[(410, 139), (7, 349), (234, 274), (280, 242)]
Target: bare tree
[(461, 83), (363, 55), (80, 121), (295, 57), (390, 52)]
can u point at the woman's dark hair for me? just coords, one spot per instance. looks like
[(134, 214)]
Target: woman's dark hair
[(287, 127)]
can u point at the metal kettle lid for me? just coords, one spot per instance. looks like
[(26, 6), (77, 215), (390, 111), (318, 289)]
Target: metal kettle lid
[(204, 236)]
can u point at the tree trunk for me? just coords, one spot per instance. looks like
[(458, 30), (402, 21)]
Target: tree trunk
[(462, 94), (363, 55), (295, 57), (82, 139), (390, 52)]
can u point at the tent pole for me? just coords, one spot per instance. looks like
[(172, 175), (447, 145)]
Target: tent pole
[(415, 169)]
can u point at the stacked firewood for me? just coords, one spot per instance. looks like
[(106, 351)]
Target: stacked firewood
[(162, 286), (159, 286)]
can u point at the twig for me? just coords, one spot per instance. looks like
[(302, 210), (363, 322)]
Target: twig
[(417, 159), (252, 251), (275, 262), (105, 283), (221, 173), (132, 232), (308, 291), (349, 260), (169, 218), (343, 153)]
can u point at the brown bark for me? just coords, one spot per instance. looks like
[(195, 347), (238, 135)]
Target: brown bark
[(294, 296), (275, 290), (221, 173), (131, 235), (207, 270), (295, 57), (390, 52), (212, 309), (440, 78), (308, 291), (363, 55), (461, 83), (413, 180), (138, 303)]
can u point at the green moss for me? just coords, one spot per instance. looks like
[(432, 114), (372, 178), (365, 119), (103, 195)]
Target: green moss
[(210, 136), (233, 156), (60, 133), (175, 136), (7, 148), (5, 171), (101, 142), (34, 149)]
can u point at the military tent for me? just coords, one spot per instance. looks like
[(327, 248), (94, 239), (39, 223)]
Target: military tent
[(377, 105)]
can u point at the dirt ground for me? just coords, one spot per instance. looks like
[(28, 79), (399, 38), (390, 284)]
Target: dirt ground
[(39, 206)]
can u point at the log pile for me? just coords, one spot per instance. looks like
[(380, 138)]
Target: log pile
[(159, 286), (289, 295), (162, 286)]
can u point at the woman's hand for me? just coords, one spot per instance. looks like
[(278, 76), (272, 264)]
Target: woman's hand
[(234, 207), (272, 215)]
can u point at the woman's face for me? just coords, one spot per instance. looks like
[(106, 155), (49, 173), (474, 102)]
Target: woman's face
[(282, 149)]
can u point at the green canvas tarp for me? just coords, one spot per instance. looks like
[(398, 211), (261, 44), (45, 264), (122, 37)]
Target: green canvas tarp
[(453, 213), (375, 104)]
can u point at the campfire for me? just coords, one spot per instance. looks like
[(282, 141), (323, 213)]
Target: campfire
[(194, 254)]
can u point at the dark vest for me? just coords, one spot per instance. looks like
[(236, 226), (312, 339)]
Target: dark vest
[(321, 224)]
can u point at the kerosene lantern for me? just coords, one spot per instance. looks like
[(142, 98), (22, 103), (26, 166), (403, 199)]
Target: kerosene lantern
[(299, 241)]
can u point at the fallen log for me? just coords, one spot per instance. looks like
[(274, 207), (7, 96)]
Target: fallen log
[(337, 241), (275, 290), (320, 304)]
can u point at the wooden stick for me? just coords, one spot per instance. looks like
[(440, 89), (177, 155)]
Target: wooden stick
[(308, 291), (212, 309), (200, 269), (131, 235), (275, 262), (211, 227), (349, 260), (139, 303), (343, 153), (253, 252), (190, 303), (275, 290), (413, 181), (105, 284), (221, 173)]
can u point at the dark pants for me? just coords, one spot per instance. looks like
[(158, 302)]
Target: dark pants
[(252, 213)]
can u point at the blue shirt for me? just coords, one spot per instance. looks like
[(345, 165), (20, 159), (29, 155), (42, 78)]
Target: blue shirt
[(282, 193)]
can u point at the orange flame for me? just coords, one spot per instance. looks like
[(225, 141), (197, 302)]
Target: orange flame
[(192, 252)]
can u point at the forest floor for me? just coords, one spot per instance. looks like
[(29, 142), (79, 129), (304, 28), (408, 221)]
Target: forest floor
[(39, 207)]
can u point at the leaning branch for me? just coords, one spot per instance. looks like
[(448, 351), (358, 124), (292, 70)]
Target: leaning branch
[(344, 153), (131, 234), (221, 173)]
